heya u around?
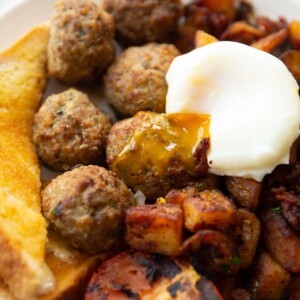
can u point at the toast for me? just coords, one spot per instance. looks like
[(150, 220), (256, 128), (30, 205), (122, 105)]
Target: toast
[(23, 231), (71, 268)]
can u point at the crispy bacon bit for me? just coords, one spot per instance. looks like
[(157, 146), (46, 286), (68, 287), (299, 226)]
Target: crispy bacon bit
[(270, 42), (290, 206), (242, 32)]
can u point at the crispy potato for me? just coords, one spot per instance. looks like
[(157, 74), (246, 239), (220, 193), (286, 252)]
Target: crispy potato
[(245, 192), (144, 276), (270, 42), (247, 234), (213, 252), (295, 34), (202, 38), (242, 32), (208, 209), (268, 280), (281, 241), (155, 228), (291, 59), (178, 196)]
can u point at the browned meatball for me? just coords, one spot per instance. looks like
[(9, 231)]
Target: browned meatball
[(80, 45), (69, 130), (136, 80), (142, 21), (87, 206), (151, 154)]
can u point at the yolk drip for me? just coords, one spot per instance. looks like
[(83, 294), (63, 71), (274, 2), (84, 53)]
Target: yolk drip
[(160, 144)]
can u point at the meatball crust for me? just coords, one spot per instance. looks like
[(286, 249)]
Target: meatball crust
[(87, 206), (141, 21), (136, 80), (69, 130), (80, 45), (138, 169)]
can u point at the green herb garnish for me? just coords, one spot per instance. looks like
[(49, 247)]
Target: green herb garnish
[(276, 209)]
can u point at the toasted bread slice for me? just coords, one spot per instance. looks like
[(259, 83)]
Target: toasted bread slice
[(71, 268), (23, 230)]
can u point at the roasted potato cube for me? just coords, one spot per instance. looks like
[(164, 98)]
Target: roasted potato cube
[(208, 209), (292, 60), (244, 191), (247, 234), (209, 182), (295, 34), (202, 38), (281, 241), (212, 251), (177, 196), (155, 228), (268, 280)]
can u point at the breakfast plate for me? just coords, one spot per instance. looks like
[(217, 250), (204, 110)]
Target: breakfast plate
[(19, 16)]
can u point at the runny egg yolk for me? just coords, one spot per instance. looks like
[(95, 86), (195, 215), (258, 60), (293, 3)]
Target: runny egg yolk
[(158, 142), (252, 100)]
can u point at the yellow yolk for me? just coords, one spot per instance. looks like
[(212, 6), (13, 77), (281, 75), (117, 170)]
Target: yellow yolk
[(252, 100), (158, 142)]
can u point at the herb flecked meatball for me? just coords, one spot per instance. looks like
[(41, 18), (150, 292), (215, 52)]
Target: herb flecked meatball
[(141, 21), (136, 80), (69, 130), (80, 45), (87, 206)]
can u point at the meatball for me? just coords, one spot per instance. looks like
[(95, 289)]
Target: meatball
[(69, 130), (80, 45), (141, 21), (136, 80), (150, 154), (87, 206)]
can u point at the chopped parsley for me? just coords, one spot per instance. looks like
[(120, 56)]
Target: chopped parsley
[(276, 209), (200, 186)]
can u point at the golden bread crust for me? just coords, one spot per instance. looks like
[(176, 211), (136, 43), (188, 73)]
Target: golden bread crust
[(23, 229)]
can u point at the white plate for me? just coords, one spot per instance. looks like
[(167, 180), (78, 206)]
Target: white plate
[(19, 16)]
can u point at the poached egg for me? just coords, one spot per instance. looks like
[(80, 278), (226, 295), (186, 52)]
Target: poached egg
[(252, 100)]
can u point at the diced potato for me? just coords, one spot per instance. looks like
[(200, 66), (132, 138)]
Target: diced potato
[(270, 42), (247, 234), (155, 228), (268, 280), (244, 191), (178, 196), (213, 251), (208, 209), (295, 34), (202, 38), (291, 59), (281, 241)]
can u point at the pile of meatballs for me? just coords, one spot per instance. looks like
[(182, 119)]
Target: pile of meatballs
[(86, 202)]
